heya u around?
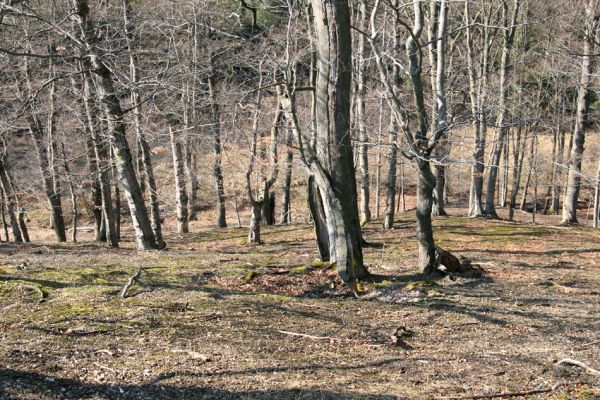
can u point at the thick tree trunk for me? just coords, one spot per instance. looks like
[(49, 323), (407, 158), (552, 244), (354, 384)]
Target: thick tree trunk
[(180, 189), (569, 214), (426, 244), (317, 212), (338, 190)]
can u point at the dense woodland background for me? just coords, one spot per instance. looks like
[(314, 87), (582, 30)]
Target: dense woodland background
[(445, 154)]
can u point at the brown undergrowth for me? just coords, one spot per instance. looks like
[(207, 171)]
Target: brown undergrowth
[(213, 317)]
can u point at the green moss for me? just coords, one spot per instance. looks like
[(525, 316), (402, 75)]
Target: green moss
[(250, 276), (276, 297), (424, 284)]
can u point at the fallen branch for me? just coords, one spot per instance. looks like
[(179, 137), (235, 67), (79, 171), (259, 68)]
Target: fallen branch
[(333, 339), (570, 361), (132, 281), (311, 336), (583, 346), (504, 394)]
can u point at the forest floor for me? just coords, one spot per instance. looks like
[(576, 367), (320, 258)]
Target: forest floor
[(214, 317)]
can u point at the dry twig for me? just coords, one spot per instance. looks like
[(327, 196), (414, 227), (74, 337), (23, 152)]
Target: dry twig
[(570, 361)]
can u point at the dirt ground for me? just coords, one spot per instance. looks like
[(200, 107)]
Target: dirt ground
[(213, 317)]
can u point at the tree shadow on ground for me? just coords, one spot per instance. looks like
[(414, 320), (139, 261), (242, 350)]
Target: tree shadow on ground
[(16, 384)]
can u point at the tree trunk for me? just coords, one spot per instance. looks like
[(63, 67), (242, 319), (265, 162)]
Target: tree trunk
[(569, 214), (100, 146), (518, 157), (363, 137), (317, 212), (74, 211), (597, 198), (3, 211), (286, 200), (216, 138), (509, 34), (426, 245), (143, 146), (114, 113), (390, 188), (58, 222), (180, 189), (10, 204), (478, 97)]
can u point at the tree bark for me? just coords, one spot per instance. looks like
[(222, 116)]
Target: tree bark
[(114, 113), (100, 147), (286, 217), (569, 214), (143, 146), (337, 188), (363, 136), (10, 204), (180, 189), (217, 149), (508, 34)]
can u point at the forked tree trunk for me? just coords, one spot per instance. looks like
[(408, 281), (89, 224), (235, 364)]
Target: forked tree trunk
[(180, 189), (569, 214), (338, 188)]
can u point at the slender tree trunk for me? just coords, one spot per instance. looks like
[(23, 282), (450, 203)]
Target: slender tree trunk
[(3, 211), (286, 200), (597, 198), (518, 156), (378, 167), (10, 203), (72, 192), (217, 171), (100, 146), (499, 144), (180, 189), (478, 97), (569, 214), (58, 222), (529, 172), (363, 137), (390, 189), (143, 146)]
